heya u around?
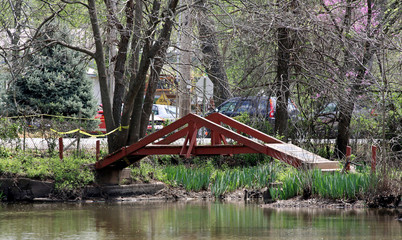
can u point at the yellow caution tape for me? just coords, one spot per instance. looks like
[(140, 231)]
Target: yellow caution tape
[(88, 134), (49, 115), (64, 133), (72, 131)]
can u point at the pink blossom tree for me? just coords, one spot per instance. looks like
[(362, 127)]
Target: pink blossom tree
[(354, 27)]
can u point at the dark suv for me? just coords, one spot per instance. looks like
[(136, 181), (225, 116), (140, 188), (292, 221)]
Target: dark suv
[(260, 107), (255, 106)]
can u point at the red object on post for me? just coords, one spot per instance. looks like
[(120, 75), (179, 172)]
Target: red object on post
[(348, 153), (373, 158), (97, 150), (61, 148)]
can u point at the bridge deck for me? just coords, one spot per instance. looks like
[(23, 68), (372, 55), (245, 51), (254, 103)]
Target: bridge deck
[(307, 158)]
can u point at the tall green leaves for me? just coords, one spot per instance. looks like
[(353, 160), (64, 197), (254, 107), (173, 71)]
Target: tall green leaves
[(220, 181), (327, 185), (337, 185), (196, 179)]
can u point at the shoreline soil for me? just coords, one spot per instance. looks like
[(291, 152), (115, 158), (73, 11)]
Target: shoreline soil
[(29, 190)]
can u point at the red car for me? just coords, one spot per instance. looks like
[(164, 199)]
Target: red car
[(102, 125), (158, 122)]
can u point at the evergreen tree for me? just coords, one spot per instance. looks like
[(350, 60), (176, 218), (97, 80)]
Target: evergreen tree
[(54, 81)]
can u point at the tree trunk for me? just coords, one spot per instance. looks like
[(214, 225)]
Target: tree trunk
[(185, 61), (150, 95), (99, 58), (137, 83), (282, 82), (342, 139), (347, 102), (111, 39), (121, 58), (135, 123), (211, 58)]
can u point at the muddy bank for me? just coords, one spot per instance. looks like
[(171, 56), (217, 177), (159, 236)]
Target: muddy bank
[(297, 202), (24, 189)]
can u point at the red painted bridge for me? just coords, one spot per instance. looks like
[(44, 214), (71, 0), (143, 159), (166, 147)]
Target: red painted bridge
[(224, 141)]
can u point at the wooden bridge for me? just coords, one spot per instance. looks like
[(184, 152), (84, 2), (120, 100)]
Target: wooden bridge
[(224, 141)]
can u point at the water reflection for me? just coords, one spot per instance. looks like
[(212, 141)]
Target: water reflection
[(191, 220)]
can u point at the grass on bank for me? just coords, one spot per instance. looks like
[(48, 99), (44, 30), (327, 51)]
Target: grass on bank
[(68, 174)]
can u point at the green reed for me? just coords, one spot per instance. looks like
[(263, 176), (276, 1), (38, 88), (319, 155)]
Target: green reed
[(292, 185), (196, 179), (220, 181), (293, 182), (339, 185), (327, 185)]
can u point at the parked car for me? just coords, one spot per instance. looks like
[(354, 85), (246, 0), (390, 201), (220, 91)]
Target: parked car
[(155, 124), (328, 118), (102, 125), (330, 113), (255, 106), (166, 112)]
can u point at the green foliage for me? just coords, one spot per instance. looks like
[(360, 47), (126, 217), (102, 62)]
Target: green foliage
[(326, 185), (165, 159), (232, 179), (338, 185), (219, 181), (243, 118), (145, 172), (69, 174), (363, 126), (8, 133), (294, 182), (257, 122), (196, 179), (394, 122), (53, 81), (324, 151)]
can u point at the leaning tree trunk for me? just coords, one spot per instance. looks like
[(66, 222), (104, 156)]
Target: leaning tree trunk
[(99, 58), (150, 95)]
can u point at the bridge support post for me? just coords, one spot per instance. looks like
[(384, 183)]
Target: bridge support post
[(111, 176), (348, 154), (373, 158), (61, 149)]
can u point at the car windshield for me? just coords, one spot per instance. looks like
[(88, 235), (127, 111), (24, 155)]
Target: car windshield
[(155, 110), (330, 108), (244, 106), (171, 110), (262, 106), (227, 107)]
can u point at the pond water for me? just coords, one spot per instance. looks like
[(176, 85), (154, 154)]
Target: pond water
[(191, 220)]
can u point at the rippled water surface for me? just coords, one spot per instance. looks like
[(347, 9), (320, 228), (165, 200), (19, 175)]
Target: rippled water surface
[(191, 220)]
